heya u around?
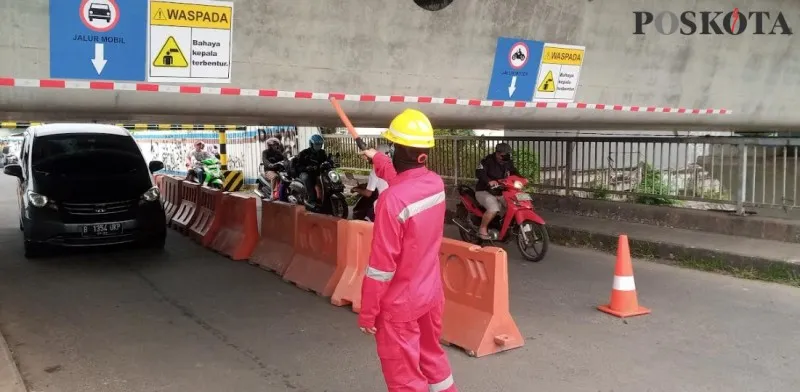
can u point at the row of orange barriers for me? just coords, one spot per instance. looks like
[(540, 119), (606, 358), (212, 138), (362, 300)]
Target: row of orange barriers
[(329, 256), (222, 221)]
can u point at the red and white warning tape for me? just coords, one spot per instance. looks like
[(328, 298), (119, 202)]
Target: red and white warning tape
[(233, 91)]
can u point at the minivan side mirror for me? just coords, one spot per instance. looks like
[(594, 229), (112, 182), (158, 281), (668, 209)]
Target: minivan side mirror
[(155, 166), (13, 170)]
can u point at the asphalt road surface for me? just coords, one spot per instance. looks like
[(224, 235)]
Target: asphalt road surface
[(190, 320)]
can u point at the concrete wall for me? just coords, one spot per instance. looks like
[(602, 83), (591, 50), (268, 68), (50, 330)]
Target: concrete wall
[(394, 47)]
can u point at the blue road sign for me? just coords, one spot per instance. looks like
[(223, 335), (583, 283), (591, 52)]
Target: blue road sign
[(516, 67), (98, 39)]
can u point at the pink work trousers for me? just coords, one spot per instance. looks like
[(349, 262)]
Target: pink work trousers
[(411, 357)]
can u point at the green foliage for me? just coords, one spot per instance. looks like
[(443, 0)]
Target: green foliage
[(453, 132), (599, 190), (527, 162), (652, 189)]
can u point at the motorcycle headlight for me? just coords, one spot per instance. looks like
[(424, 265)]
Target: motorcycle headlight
[(518, 184), (152, 194), (37, 200), (334, 176)]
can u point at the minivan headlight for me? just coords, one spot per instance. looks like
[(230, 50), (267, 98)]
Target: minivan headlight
[(37, 200), (152, 194)]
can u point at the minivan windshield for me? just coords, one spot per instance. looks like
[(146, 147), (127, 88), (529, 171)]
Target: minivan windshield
[(86, 153)]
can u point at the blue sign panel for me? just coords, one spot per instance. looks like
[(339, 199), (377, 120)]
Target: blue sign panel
[(98, 39), (516, 67)]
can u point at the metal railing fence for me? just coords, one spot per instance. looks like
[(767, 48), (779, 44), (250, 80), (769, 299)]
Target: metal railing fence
[(747, 172)]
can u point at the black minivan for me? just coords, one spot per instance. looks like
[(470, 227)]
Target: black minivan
[(86, 185)]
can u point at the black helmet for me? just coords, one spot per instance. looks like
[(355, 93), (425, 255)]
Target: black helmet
[(502, 148)]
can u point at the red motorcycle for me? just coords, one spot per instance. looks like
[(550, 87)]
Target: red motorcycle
[(519, 220)]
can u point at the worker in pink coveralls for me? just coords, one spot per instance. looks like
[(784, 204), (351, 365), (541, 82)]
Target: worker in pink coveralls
[(402, 298)]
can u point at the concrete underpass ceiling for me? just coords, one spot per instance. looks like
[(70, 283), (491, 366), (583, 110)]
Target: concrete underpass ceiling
[(52, 105)]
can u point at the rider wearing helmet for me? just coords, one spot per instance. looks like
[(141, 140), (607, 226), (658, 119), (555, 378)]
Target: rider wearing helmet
[(272, 157), (194, 161), (308, 162), (493, 167), (402, 295)]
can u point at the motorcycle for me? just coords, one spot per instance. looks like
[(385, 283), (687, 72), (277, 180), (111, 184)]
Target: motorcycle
[(520, 220), (212, 173), (332, 200), (264, 187), (518, 55)]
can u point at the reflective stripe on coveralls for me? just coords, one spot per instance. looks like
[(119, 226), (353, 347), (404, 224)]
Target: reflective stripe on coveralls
[(380, 276), (406, 214), (402, 295)]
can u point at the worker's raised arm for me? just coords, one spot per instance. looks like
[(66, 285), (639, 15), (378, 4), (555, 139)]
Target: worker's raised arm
[(383, 167), (387, 238)]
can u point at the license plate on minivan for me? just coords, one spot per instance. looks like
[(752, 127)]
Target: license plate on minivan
[(102, 229)]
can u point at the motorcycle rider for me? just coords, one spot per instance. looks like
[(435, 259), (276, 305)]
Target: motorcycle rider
[(308, 162), (272, 157), (374, 183), (402, 293), (194, 161), (493, 167)]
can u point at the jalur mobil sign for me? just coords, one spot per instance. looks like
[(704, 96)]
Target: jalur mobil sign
[(527, 70), (720, 22), (137, 40), (97, 39)]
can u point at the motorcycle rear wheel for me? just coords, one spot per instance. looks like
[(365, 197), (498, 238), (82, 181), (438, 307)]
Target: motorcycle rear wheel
[(540, 236), (462, 216)]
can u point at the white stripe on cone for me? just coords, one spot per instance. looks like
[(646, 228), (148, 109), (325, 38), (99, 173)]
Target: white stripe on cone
[(624, 283)]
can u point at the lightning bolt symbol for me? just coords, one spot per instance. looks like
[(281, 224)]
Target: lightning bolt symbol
[(734, 19)]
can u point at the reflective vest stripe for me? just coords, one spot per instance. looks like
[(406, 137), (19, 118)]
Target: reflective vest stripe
[(420, 206), (380, 276)]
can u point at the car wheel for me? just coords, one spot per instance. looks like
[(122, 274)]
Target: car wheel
[(33, 250)]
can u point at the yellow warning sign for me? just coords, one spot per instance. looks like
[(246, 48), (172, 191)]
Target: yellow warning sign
[(170, 55), (548, 85), (563, 56), (167, 13)]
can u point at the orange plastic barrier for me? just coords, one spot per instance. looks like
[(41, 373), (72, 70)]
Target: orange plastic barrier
[(203, 230), (238, 228), (357, 249), (172, 196), (186, 212), (476, 312), (278, 224), (318, 261)]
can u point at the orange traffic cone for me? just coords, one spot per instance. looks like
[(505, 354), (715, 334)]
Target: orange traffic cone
[(623, 294)]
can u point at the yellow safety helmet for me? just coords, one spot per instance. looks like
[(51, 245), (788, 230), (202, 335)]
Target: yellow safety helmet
[(411, 128)]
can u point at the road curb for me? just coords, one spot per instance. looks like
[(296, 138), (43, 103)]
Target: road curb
[(666, 252), (10, 377)]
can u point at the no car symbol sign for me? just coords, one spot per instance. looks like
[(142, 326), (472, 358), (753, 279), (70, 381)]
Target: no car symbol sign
[(99, 15)]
